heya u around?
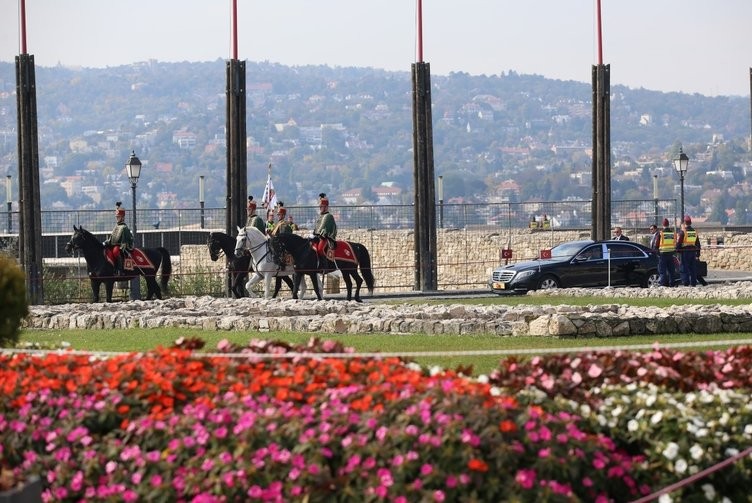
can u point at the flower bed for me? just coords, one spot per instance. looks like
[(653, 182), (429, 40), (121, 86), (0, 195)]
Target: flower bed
[(173, 426)]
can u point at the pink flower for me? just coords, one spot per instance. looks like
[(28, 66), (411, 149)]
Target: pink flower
[(451, 481), (525, 478), (438, 495), (426, 469), (155, 480)]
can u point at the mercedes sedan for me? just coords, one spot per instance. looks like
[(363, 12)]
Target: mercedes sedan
[(581, 264)]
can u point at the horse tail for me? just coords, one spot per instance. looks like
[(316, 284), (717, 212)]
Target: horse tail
[(166, 267), (364, 259)]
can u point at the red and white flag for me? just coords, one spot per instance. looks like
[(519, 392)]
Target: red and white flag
[(269, 200)]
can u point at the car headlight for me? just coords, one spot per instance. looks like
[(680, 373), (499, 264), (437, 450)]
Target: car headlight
[(525, 274)]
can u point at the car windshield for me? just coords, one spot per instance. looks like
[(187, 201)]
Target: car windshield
[(566, 249)]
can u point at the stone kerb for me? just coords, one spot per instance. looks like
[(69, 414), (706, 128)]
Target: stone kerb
[(338, 316)]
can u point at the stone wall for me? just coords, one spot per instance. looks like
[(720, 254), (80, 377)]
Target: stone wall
[(466, 257), (338, 316)]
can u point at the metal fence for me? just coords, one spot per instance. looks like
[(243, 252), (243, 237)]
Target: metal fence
[(172, 228)]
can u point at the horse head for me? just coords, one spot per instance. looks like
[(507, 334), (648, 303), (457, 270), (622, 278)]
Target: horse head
[(214, 246), (241, 242), (249, 238), (76, 241)]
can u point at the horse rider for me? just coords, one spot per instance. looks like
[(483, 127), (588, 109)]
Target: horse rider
[(269, 221), (120, 240), (282, 226), (325, 229), (253, 219)]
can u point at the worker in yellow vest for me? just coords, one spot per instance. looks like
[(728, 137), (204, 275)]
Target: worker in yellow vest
[(688, 245), (666, 250)]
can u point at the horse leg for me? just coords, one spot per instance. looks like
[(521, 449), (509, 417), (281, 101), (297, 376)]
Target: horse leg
[(302, 286), (153, 287), (348, 284), (277, 285), (95, 284), (267, 286), (108, 285), (252, 281), (358, 282), (316, 285)]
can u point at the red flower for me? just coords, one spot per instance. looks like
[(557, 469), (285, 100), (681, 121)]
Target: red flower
[(477, 465)]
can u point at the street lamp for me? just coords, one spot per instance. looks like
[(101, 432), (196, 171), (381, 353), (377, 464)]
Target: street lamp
[(201, 197), (133, 168), (681, 162), (9, 198), (440, 187)]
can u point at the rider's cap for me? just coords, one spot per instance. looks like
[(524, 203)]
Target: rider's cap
[(687, 219), (281, 211), (119, 210), (323, 200), (251, 204), (665, 222)]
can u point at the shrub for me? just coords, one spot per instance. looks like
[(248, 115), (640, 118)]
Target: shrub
[(13, 304)]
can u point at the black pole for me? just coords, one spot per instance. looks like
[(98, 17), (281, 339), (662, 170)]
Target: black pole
[(425, 193), (9, 198), (201, 197), (29, 206), (601, 203), (237, 163), (136, 280), (681, 177)]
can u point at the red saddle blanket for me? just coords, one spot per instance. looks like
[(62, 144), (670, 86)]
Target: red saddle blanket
[(342, 251), (136, 258)]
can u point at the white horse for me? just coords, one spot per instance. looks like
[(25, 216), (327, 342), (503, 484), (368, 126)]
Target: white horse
[(264, 266)]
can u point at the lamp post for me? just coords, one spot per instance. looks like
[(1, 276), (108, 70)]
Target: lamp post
[(9, 198), (681, 162), (201, 197), (133, 168), (440, 188)]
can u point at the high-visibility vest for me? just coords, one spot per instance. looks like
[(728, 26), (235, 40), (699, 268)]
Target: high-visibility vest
[(667, 243), (690, 238)]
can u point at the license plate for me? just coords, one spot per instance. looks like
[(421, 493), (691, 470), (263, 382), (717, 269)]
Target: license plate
[(498, 286)]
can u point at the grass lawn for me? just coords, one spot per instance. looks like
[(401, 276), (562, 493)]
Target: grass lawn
[(144, 339)]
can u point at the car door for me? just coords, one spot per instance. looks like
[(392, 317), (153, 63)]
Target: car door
[(624, 261), (588, 268)]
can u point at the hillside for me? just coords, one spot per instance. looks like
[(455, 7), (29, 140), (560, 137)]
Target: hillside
[(349, 130)]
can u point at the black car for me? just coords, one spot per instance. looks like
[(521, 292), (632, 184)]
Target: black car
[(581, 264)]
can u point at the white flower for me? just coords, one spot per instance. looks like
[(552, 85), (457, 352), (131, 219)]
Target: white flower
[(650, 401), (701, 432), (617, 411), (696, 452), (724, 418), (483, 379), (656, 417), (665, 498), (495, 391), (671, 450), (748, 429), (731, 452), (633, 425), (690, 397), (680, 466), (435, 370), (709, 491), (639, 414), (601, 420), (585, 410)]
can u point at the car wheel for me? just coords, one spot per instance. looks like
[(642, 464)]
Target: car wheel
[(547, 282), (653, 279)]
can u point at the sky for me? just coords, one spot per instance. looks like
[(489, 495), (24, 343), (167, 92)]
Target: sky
[(691, 46)]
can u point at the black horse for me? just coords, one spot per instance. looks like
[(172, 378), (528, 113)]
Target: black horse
[(101, 270), (306, 260), (220, 243)]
